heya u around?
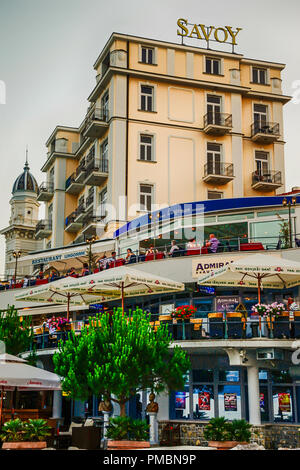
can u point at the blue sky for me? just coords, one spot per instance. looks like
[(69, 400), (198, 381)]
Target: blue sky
[(48, 47)]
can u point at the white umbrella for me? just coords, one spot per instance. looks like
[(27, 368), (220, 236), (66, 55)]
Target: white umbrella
[(53, 292), (118, 283), (15, 372), (272, 272)]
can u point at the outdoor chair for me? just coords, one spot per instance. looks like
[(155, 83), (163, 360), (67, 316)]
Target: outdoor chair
[(142, 258), (234, 326), (216, 326), (297, 324), (281, 327)]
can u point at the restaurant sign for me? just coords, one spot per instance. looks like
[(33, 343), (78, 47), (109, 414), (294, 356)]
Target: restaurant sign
[(207, 264), (220, 34), (48, 259)]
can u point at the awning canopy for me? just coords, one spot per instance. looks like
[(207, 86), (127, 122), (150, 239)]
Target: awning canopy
[(67, 257)]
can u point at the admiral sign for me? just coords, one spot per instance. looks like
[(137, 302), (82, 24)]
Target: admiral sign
[(221, 34), (207, 264)]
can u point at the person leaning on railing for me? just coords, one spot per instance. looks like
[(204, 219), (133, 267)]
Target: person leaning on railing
[(212, 244)]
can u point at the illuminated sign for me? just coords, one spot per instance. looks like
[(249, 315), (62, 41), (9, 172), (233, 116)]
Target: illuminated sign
[(221, 34)]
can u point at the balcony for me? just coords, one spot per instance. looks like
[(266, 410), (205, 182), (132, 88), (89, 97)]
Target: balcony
[(89, 201), (266, 181), (217, 123), (265, 132), (80, 172), (93, 222), (43, 229), (218, 173), (96, 171), (80, 212), (97, 123), (45, 192), (71, 224), (72, 186)]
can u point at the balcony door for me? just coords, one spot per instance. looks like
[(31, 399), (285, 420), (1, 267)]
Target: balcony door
[(260, 117), (214, 108), (105, 106), (214, 165), (262, 163)]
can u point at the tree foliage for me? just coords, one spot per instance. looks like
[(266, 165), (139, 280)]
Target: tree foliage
[(15, 332), (119, 355)]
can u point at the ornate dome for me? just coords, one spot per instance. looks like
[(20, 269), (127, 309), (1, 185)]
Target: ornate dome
[(25, 181)]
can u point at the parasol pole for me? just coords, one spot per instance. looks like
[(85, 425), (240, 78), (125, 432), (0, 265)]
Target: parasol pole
[(68, 305), (122, 293), (1, 407), (259, 288)]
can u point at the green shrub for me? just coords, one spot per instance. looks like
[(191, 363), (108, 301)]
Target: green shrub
[(219, 429), (124, 428), (17, 430), (241, 430)]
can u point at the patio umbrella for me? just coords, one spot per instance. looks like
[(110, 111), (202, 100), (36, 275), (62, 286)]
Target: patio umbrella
[(259, 271), (16, 373), (53, 292), (118, 283)]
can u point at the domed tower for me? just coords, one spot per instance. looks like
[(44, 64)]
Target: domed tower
[(20, 234)]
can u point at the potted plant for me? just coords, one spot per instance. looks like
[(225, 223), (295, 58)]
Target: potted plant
[(223, 435), (280, 317), (17, 434), (127, 433)]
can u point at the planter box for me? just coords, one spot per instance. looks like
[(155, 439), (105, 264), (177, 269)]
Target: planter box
[(24, 445), (127, 445), (224, 445)]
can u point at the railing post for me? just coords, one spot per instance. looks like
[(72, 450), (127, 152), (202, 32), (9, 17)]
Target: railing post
[(226, 326)]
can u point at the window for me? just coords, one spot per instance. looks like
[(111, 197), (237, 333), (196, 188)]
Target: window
[(214, 195), (214, 160), (146, 147), (214, 109), (146, 197), (262, 163), (259, 76), (104, 150), (212, 66), (260, 117), (105, 105), (147, 55), (147, 98)]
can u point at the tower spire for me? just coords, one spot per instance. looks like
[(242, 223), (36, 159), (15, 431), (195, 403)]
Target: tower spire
[(26, 167)]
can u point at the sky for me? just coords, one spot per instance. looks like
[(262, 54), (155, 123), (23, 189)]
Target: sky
[(48, 48)]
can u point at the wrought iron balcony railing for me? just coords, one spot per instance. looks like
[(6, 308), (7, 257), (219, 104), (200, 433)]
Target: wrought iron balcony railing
[(267, 128), (217, 119), (271, 177), (218, 169)]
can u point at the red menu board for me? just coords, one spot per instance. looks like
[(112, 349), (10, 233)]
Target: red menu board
[(204, 401), (284, 400)]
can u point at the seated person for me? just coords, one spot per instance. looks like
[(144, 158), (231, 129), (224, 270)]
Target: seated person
[(71, 272), (112, 259), (130, 257), (192, 244), (26, 281), (85, 270), (53, 276), (102, 263), (174, 247), (40, 275), (212, 244), (151, 251)]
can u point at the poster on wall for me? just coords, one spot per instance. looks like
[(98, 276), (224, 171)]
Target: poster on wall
[(227, 303), (204, 401), (230, 402), (262, 401), (180, 400), (284, 401)]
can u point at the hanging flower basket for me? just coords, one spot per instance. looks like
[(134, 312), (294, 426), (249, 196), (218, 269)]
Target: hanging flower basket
[(184, 312), (275, 309), (260, 309)]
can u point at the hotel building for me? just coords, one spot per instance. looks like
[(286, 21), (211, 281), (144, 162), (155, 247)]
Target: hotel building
[(171, 125)]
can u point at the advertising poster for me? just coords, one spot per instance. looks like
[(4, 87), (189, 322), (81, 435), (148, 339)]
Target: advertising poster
[(180, 400), (230, 402), (262, 401), (284, 401), (204, 401)]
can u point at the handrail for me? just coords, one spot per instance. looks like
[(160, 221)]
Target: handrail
[(218, 119), (218, 169), (265, 127)]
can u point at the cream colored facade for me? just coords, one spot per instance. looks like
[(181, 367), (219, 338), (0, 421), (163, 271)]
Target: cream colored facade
[(98, 175)]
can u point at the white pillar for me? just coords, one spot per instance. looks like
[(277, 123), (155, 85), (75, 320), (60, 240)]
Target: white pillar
[(153, 428), (253, 396), (57, 404)]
